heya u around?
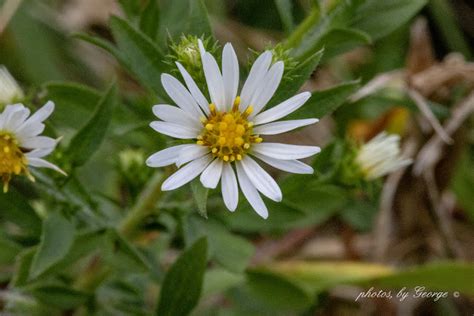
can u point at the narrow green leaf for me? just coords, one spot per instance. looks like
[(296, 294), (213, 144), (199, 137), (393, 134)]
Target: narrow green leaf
[(182, 285), (446, 20), (56, 240), (200, 194), (140, 55), (22, 267), (192, 15), (327, 101), (445, 276), (10, 250), (16, 209), (59, 296), (89, 138), (277, 292), (298, 76), (73, 102), (101, 43), (150, 19), (285, 8), (341, 40), (380, 18), (125, 256), (229, 250), (130, 7), (319, 276)]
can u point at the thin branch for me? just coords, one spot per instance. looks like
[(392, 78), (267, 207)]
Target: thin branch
[(428, 114)]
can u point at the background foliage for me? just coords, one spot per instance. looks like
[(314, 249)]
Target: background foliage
[(106, 241)]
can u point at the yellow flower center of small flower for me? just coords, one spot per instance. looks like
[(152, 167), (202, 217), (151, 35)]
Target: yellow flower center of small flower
[(12, 159), (228, 134)]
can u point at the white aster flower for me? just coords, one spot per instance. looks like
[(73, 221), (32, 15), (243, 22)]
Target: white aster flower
[(20, 143), (228, 132), (381, 156), (10, 91)]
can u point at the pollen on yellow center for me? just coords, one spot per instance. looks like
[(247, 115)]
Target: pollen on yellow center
[(12, 159), (229, 135)]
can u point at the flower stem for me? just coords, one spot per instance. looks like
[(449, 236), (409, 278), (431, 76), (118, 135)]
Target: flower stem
[(144, 207), (295, 38)]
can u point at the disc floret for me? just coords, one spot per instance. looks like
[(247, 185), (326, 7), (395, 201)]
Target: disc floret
[(229, 134), (12, 159)]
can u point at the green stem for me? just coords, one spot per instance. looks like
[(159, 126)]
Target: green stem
[(296, 37), (146, 203)]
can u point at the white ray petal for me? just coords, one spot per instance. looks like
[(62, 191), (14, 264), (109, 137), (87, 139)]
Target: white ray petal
[(166, 156), (229, 188), (230, 75), (254, 79), (186, 173), (261, 179), (42, 114), (173, 114), (38, 162), (190, 153), (293, 166), (175, 130), (214, 81), (285, 151), (270, 83), (282, 126), (251, 193), (193, 88), (211, 175), (38, 142), (179, 94), (282, 109)]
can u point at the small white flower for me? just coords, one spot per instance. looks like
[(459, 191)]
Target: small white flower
[(381, 156), (20, 143), (10, 91), (227, 132)]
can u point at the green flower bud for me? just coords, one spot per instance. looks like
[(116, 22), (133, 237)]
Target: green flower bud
[(187, 53)]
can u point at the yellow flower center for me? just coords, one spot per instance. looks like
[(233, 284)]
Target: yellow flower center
[(12, 159), (228, 134)]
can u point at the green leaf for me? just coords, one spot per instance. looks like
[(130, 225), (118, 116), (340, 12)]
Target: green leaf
[(230, 251), (103, 44), (140, 55), (73, 102), (277, 292), (16, 209), (22, 267), (446, 21), (150, 19), (182, 285), (325, 102), (10, 250), (341, 40), (297, 77), (130, 7), (192, 17), (217, 281), (285, 8), (56, 240), (446, 276), (200, 194), (124, 255), (89, 138), (59, 296), (315, 277), (380, 18)]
